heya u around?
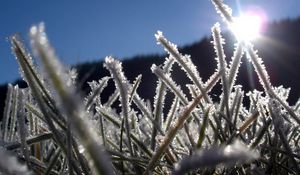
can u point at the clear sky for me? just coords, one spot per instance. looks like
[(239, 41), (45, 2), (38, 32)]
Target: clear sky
[(83, 30)]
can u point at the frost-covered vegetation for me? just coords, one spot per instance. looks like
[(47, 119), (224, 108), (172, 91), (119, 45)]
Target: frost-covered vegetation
[(48, 128)]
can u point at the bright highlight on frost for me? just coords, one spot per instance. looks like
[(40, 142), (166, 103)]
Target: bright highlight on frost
[(247, 27)]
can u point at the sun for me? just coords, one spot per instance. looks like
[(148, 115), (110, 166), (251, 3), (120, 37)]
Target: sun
[(247, 27)]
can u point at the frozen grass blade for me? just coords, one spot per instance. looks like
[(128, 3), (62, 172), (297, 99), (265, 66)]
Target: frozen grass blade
[(248, 122), (29, 141), (279, 126), (171, 134), (236, 104), (81, 159), (6, 114), (122, 84), (145, 110), (222, 66), (224, 10), (170, 83), (69, 146), (118, 125), (184, 61), (136, 84), (171, 113), (32, 81), (25, 60), (159, 101), (234, 65), (288, 109), (53, 161), (260, 70), (102, 127), (34, 111), (203, 127), (68, 98), (212, 81), (260, 134), (31, 77), (265, 81), (228, 156), (22, 128), (14, 110), (165, 78), (112, 98), (97, 88)]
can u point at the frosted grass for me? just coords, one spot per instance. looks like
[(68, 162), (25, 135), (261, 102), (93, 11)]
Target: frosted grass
[(48, 128)]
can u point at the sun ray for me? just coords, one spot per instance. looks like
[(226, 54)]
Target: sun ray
[(247, 27)]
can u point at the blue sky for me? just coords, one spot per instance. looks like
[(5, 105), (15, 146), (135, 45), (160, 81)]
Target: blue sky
[(92, 29)]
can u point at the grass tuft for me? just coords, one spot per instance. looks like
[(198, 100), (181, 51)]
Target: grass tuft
[(49, 128)]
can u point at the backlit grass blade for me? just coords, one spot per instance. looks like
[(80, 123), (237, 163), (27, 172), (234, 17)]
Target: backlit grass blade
[(69, 100)]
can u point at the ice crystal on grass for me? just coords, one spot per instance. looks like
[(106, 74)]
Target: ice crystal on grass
[(96, 89), (18, 45), (170, 83), (218, 43), (229, 155), (282, 93), (42, 47), (70, 106), (224, 10), (159, 100), (122, 84), (6, 114), (235, 64), (184, 61), (260, 69), (53, 130)]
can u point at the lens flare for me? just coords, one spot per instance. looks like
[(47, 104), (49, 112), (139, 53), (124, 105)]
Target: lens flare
[(247, 27)]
